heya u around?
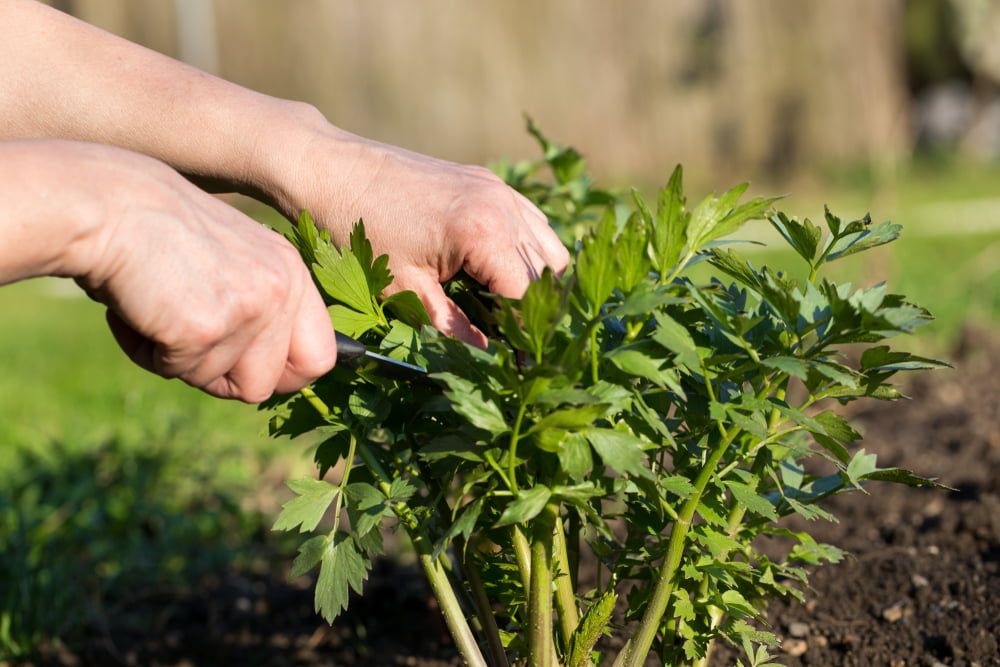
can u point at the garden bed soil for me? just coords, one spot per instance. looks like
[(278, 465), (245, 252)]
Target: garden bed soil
[(921, 589)]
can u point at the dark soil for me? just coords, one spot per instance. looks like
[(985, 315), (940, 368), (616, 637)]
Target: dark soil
[(921, 589)]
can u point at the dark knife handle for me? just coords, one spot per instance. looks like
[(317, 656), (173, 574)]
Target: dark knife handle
[(349, 349)]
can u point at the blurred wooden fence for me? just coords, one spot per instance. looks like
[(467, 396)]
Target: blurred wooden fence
[(762, 87)]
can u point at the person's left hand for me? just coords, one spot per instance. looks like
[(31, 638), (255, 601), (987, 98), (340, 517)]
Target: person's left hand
[(432, 217)]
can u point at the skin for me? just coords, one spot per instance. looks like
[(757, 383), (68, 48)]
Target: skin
[(195, 289)]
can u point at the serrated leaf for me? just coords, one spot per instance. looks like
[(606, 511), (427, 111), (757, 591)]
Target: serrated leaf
[(669, 227), (351, 322), (677, 485), (408, 307), (469, 401), (748, 497), (592, 625), (368, 404), (541, 309), (341, 277), (342, 569), (595, 263), (620, 451), (673, 336), (864, 240), (463, 525), (310, 554), (733, 601), (803, 236), (901, 476), (574, 457), (570, 419), (305, 511), (636, 361), (376, 269), (790, 365), (526, 506), (366, 507), (631, 263)]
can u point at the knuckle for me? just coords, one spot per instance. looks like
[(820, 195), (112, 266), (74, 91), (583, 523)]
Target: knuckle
[(319, 364), (255, 393)]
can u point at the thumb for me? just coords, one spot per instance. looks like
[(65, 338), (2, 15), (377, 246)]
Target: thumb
[(444, 313)]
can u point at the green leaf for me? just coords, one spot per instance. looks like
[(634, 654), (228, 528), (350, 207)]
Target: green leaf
[(574, 457), (672, 335), (463, 526), (376, 269), (541, 309), (669, 227), (342, 568), (620, 451), (406, 306), (366, 507), (368, 404), (570, 419), (592, 625), (634, 360), (595, 263), (790, 365), (734, 602), (526, 506), (341, 277), (469, 401), (677, 485), (305, 511), (748, 497), (631, 262), (900, 476), (310, 554), (803, 236), (866, 239), (351, 322)]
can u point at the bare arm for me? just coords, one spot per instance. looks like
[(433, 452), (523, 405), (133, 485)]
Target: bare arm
[(62, 78)]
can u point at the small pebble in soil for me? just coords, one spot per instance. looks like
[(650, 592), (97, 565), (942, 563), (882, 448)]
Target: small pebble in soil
[(933, 550), (820, 641), (798, 629), (896, 612), (919, 581), (794, 647)]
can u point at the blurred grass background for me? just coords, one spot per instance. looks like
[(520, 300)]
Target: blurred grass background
[(111, 479)]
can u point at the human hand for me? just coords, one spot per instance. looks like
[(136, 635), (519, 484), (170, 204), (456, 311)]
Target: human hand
[(432, 217), (195, 289)]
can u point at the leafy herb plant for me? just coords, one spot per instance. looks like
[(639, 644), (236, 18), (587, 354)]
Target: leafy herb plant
[(608, 464)]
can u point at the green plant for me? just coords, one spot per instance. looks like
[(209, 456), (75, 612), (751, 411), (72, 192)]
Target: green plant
[(623, 415)]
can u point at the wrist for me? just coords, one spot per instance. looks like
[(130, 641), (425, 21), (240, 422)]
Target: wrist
[(300, 153), (53, 207)]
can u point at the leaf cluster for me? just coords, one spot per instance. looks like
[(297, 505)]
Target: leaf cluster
[(622, 408)]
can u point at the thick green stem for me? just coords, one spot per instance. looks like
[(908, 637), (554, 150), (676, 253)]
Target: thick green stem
[(595, 358), (540, 647), (498, 657), (461, 633), (569, 614), (522, 553), (636, 649)]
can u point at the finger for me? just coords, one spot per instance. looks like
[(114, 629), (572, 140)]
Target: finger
[(312, 350), (553, 250), (509, 270), (444, 313), (137, 347)]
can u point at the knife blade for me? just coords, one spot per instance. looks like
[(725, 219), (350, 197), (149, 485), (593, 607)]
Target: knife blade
[(355, 354)]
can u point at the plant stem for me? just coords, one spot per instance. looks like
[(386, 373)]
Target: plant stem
[(573, 548), (461, 633), (498, 657), (569, 614), (540, 647), (515, 435), (636, 649), (522, 553), (594, 357)]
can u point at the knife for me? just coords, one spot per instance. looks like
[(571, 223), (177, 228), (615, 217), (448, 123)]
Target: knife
[(354, 354)]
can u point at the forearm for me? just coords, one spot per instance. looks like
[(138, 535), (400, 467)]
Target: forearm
[(61, 78), (51, 207)]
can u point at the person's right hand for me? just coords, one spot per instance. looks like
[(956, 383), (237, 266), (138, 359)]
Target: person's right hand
[(195, 289)]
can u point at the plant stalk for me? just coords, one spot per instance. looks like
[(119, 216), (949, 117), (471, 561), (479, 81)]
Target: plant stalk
[(569, 613), (540, 646), (498, 657), (636, 649)]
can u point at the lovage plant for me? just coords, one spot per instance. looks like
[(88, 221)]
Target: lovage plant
[(607, 465)]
